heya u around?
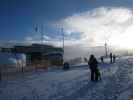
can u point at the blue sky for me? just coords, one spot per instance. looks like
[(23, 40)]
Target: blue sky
[(19, 17)]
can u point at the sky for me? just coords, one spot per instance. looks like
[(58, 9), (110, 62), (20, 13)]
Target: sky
[(83, 22)]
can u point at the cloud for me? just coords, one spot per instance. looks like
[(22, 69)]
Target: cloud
[(87, 32), (56, 41), (110, 24)]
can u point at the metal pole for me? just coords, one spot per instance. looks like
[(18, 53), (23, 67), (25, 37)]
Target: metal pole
[(42, 34), (63, 42), (42, 44), (106, 52)]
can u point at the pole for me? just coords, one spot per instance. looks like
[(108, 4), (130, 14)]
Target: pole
[(63, 40), (42, 34), (106, 52), (42, 44), (63, 43)]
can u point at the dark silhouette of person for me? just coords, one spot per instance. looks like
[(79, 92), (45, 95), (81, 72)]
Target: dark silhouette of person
[(93, 64), (85, 59), (111, 58), (114, 58), (102, 59), (66, 66)]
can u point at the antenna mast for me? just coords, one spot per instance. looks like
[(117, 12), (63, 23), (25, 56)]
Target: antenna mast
[(62, 42), (42, 34)]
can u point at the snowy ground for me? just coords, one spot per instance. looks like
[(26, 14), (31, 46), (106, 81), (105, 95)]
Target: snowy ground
[(116, 84)]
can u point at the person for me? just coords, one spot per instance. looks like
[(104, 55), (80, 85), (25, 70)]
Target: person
[(110, 57), (114, 58), (85, 59), (102, 60), (93, 64), (66, 66)]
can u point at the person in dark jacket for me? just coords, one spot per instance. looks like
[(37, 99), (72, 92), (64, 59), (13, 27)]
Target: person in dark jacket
[(93, 64), (66, 66), (102, 59), (114, 57), (111, 56)]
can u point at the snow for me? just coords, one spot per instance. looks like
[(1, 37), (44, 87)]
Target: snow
[(74, 84)]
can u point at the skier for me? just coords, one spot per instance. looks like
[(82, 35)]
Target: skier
[(114, 57), (102, 60), (93, 64), (110, 57)]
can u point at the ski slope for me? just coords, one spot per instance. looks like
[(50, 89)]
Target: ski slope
[(74, 84)]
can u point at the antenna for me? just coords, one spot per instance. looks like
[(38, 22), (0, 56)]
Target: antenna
[(42, 34), (63, 41), (63, 38)]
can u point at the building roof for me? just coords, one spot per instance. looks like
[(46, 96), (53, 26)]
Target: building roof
[(35, 48)]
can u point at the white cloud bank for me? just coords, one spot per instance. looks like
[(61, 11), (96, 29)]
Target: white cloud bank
[(111, 24)]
